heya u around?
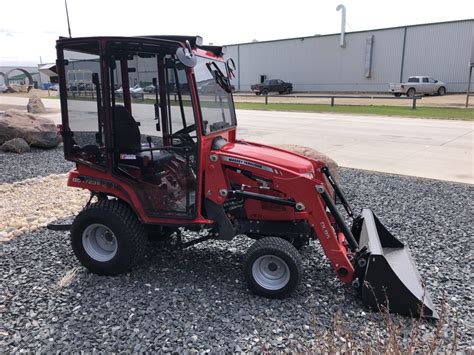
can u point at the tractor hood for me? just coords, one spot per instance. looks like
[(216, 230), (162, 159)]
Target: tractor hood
[(255, 154)]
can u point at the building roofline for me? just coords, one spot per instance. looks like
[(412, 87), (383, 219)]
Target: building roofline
[(347, 33)]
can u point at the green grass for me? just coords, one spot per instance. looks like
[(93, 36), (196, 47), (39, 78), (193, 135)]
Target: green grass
[(447, 113), (406, 111)]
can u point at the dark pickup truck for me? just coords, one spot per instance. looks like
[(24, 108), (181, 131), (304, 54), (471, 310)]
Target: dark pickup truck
[(272, 85)]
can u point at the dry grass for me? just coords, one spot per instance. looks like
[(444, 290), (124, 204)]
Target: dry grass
[(68, 277), (395, 336)]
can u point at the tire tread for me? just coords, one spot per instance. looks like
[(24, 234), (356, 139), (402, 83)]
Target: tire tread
[(133, 228), (270, 245)]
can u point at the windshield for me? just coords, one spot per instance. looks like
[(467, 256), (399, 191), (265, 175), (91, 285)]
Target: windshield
[(217, 106)]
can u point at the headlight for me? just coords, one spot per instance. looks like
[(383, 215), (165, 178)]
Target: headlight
[(309, 175)]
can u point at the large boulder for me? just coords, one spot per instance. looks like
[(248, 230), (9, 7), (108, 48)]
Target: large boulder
[(35, 130), (314, 154), (35, 105), (15, 145)]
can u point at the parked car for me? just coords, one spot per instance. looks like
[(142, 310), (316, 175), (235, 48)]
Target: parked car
[(149, 88), (276, 85), (418, 85), (136, 91)]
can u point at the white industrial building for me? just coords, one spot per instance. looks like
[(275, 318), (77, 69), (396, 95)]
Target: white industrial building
[(367, 62)]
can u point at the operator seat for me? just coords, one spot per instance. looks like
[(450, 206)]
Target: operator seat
[(128, 139), (127, 133)]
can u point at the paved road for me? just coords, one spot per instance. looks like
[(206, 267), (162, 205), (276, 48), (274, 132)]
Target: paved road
[(438, 149)]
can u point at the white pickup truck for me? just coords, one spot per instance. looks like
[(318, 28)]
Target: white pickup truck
[(423, 85)]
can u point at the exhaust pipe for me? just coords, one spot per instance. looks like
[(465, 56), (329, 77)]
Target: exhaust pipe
[(342, 42), (385, 273)]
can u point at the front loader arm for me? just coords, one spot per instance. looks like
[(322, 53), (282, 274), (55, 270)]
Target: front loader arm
[(333, 242)]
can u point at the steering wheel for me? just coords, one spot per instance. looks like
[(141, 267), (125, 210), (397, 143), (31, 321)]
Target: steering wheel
[(184, 136)]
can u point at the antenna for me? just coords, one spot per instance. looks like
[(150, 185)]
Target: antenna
[(67, 16)]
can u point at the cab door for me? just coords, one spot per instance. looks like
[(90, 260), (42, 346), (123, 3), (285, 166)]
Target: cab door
[(425, 85), (155, 140)]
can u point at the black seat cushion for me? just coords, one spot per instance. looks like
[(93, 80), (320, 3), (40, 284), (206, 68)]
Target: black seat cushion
[(127, 133), (160, 157)]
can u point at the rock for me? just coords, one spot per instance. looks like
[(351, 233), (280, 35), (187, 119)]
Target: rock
[(16, 145), (35, 130), (314, 154), (35, 105)]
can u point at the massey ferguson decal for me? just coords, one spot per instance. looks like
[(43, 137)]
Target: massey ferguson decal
[(93, 181), (251, 164)]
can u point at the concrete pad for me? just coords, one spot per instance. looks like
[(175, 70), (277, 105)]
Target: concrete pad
[(437, 149)]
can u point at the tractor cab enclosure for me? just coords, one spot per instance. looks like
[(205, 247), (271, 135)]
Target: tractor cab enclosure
[(150, 140)]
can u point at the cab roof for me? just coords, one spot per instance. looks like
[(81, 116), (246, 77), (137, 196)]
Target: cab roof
[(147, 43)]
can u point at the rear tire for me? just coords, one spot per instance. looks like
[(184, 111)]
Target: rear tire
[(411, 92), (258, 93), (264, 92), (107, 238), (441, 91), (272, 267), (397, 94)]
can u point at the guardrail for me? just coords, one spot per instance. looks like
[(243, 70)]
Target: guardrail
[(92, 94), (334, 97)]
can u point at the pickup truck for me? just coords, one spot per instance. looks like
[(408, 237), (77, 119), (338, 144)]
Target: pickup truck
[(418, 85), (276, 85)]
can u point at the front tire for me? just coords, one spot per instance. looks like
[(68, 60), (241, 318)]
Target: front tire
[(272, 267), (397, 94), (441, 91), (411, 92), (107, 238)]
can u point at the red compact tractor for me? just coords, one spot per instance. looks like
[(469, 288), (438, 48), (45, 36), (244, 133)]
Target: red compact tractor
[(169, 158)]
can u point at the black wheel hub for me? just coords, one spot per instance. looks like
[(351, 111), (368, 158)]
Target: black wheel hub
[(272, 267)]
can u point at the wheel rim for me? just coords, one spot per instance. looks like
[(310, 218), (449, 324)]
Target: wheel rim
[(99, 242), (271, 272)]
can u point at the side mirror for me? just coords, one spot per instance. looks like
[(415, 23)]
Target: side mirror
[(230, 66)]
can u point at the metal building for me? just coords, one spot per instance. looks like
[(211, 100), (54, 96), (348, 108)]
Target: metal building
[(368, 62)]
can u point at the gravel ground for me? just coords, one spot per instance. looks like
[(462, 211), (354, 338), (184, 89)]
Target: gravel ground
[(196, 299), (38, 162)]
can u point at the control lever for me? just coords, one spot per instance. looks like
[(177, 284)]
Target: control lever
[(148, 139)]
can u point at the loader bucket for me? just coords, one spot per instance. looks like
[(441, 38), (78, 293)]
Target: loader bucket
[(387, 273)]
